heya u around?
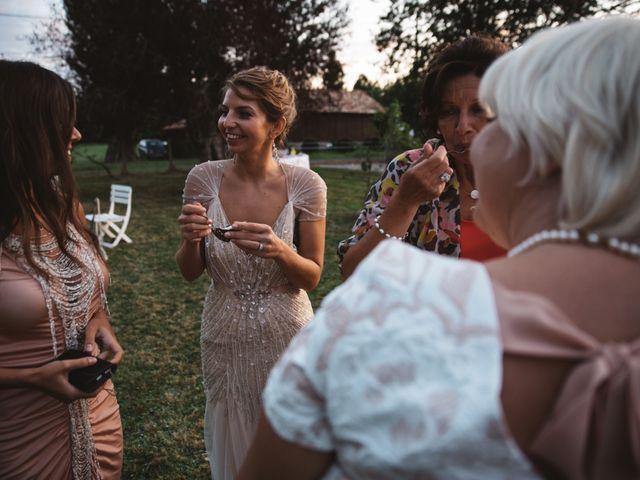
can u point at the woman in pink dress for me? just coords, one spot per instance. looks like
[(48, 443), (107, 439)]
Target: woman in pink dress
[(52, 293)]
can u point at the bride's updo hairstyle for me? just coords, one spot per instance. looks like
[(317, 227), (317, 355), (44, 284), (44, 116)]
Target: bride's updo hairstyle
[(569, 98), (271, 90)]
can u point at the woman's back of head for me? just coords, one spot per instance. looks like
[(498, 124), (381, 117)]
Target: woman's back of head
[(567, 102), (569, 96)]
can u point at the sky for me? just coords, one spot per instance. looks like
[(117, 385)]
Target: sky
[(18, 18)]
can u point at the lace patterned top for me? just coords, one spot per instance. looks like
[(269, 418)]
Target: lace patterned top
[(436, 224), (400, 373), (251, 312)]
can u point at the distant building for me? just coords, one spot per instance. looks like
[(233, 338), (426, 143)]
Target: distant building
[(335, 116)]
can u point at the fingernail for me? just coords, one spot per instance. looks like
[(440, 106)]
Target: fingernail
[(88, 347)]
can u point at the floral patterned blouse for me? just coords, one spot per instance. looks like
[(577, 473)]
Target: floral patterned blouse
[(436, 224)]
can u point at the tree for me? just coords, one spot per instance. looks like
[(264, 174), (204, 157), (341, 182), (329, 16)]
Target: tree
[(140, 64), (413, 30), (298, 37), (405, 92), (113, 52), (373, 89), (396, 134)]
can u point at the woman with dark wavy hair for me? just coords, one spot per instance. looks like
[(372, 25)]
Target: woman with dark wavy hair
[(52, 292), (425, 196)]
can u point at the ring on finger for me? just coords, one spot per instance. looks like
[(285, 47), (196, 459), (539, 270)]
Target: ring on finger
[(445, 177), (260, 246)]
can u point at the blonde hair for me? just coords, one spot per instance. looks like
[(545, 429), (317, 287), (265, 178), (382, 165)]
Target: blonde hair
[(271, 90), (570, 97)]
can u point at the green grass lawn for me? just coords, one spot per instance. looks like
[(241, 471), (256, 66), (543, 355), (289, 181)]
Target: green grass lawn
[(156, 313)]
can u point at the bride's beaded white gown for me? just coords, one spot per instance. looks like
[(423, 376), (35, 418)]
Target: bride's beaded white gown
[(250, 314)]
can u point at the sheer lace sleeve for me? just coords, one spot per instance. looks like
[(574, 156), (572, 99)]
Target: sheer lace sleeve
[(307, 192), (202, 183)]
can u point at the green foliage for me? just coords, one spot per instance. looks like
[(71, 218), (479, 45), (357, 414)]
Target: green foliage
[(140, 65), (396, 134), (374, 90), (156, 314), (404, 91), (413, 30), (300, 38)]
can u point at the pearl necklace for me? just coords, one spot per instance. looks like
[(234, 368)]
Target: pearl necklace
[(574, 236)]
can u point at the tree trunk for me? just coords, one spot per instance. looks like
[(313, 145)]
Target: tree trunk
[(172, 165), (119, 151), (218, 146), (205, 150), (111, 156)]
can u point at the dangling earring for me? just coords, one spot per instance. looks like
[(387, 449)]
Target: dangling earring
[(275, 154)]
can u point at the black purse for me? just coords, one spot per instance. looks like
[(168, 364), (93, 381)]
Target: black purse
[(88, 379)]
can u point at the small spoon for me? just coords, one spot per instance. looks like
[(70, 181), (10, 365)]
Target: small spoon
[(459, 152), (220, 231)]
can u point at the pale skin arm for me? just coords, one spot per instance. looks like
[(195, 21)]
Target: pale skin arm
[(271, 457), (302, 268), (419, 184), (194, 227), (51, 378)]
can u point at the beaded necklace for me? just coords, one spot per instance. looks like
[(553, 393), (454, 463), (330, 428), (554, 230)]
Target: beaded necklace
[(574, 236)]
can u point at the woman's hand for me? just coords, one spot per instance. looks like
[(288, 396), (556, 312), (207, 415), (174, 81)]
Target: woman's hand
[(256, 239), (421, 183), (53, 379), (99, 339), (194, 223)]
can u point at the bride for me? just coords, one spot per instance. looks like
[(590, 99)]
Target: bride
[(268, 221)]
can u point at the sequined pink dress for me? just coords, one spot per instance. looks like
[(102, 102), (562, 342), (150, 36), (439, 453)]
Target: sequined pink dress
[(40, 436), (250, 314)]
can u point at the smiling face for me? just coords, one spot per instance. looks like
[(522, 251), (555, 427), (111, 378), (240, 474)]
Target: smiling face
[(461, 115), (244, 124)]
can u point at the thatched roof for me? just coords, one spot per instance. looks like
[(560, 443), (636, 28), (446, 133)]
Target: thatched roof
[(338, 101)]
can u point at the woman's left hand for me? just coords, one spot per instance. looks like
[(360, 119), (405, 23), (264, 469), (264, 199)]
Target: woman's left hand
[(256, 238)]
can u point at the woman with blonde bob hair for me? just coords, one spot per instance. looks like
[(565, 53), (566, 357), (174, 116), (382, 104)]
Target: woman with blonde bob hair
[(526, 366), (266, 252)]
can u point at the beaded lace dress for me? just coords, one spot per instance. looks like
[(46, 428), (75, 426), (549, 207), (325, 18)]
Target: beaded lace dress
[(72, 293), (250, 313)]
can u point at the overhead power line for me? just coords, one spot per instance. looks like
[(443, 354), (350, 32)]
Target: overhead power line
[(19, 15)]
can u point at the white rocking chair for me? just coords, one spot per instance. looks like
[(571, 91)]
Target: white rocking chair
[(111, 227)]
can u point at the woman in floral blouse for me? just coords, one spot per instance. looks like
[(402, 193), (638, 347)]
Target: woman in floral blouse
[(426, 196)]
